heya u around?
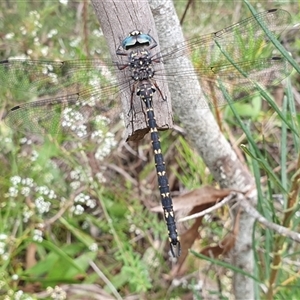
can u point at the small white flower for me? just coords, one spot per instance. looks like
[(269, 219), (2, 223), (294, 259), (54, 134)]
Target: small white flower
[(85, 225), (104, 121), (2, 248), (19, 295), (7, 140), (23, 140), (27, 181), (75, 185), (5, 256), (27, 214), (15, 180), (75, 174), (35, 14), (40, 226), (25, 190), (37, 235), (75, 42), (3, 236), (72, 120), (9, 36), (78, 209), (80, 198), (13, 192), (34, 155), (23, 30), (42, 205), (15, 277), (65, 2), (45, 50), (58, 293), (51, 33), (93, 247), (52, 195), (97, 32), (48, 177), (44, 190), (100, 178), (91, 203)]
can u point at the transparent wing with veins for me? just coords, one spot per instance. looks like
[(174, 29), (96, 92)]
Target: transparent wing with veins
[(64, 96), (246, 44)]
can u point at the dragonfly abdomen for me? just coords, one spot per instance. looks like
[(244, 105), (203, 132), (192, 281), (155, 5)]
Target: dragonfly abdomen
[(162, 178)]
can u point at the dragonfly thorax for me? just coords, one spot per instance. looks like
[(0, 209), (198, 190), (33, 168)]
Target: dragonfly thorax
[(140, 64)]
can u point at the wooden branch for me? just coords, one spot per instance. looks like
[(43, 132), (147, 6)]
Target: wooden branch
[(188, 102), (118, 19)]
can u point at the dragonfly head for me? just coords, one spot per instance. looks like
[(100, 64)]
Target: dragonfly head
[(137, 39)]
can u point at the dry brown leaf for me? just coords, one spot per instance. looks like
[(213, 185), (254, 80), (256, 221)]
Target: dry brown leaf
[(194, 202), (226, 244), (32, 287), (202, 199), (203, 195), (222, 248)]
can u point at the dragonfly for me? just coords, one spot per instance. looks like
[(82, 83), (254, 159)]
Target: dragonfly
[(67, 97)]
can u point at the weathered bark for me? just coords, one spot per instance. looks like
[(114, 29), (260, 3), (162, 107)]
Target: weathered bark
[(118, 19)]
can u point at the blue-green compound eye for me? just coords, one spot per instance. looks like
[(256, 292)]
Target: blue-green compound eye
[(136, 38)]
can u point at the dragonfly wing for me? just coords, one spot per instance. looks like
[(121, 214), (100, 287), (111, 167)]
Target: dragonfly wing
[(42, 116), (245, 40), (247, 46), (69, 113), (43, 78), (240, 79), (80, 89)]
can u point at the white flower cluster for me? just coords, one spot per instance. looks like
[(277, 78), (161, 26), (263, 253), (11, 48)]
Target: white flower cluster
[(41, 205), (57, 293), (72, 121), (19, 185), (34, 155), (100, 177), (37, 235), (80, 200), (105, 139), (65, 2), (44, 190), (93, 247), (3, 243), (108, 143), (20, 295), (51, 33), (26, 187), (77, 177), (25, 141)]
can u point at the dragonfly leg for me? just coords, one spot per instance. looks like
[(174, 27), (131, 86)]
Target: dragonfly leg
[(159, 90), (131, 109)]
